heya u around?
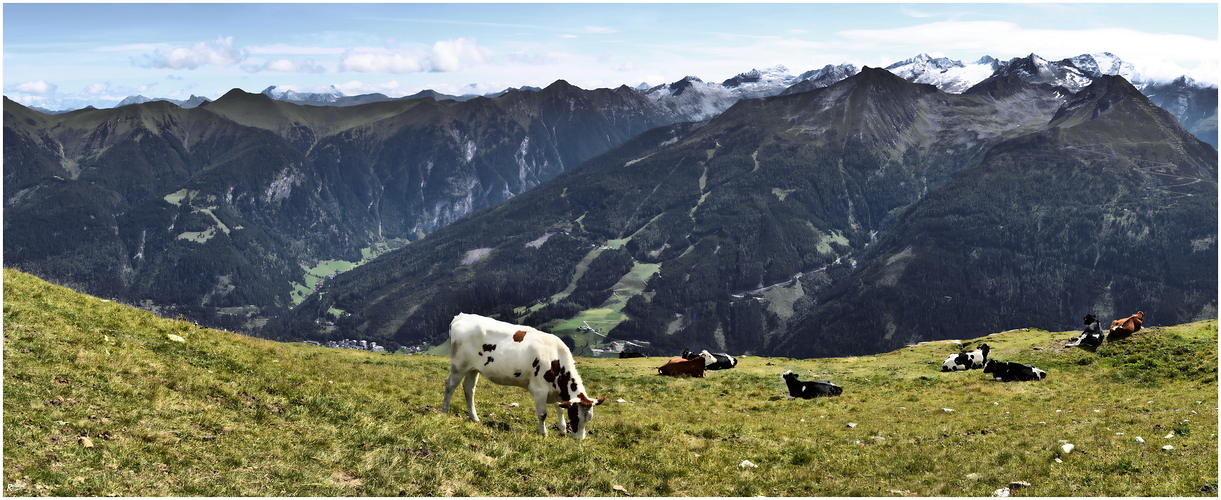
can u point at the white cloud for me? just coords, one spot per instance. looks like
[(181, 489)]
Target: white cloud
[(379, 61), (219, 52), (37, 88), (444, 56), (453, 55), (391, 88), (97, 88), (907, 11), (286, 66), (285, 49)]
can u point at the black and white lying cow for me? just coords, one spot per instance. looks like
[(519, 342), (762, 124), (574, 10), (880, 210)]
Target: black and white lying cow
[(966, 361), (1091, 337), (1007, 372), (718, 361), (809, 390), (509, 354)]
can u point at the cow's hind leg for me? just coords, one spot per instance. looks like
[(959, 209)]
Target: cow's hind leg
[(451, 383), (468, 387)]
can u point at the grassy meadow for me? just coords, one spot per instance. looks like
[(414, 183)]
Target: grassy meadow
[(103, 399)]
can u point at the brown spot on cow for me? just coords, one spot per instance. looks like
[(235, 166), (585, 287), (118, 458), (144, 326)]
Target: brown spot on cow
[(490, 359), (489, 347), (519, 336)]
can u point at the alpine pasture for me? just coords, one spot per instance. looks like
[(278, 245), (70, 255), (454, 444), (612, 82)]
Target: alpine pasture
[(104, 399)]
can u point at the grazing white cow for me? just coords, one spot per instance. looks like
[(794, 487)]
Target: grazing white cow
[(509, 354)]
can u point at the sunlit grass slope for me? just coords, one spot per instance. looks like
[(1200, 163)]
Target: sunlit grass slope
[(99, 399)]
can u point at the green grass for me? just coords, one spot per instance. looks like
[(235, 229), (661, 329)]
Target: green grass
[(226, 415)]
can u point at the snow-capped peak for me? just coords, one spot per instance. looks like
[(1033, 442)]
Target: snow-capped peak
[(1105, 63), (921, 64), (290, 94), (947, 74), (755, 83)]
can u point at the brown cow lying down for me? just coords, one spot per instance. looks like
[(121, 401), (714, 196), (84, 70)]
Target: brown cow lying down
[(1121, 328), (680, 367)]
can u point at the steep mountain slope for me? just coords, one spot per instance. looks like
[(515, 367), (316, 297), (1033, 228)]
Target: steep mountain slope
[(78, 185), (1194, 105), (219, 209), (1108, 210), (748, 222)]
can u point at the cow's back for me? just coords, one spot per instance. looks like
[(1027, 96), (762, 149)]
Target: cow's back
[(505, 353), (472, 329)]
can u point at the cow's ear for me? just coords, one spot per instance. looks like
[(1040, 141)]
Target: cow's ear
[(599, 401), (564, 404)]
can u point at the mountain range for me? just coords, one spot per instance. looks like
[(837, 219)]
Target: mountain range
[(758, 214), (851, 219), (1194, 104), (217, 207)]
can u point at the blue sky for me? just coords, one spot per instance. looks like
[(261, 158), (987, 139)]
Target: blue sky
[(62, 56)]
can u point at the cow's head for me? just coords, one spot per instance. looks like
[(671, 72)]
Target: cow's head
[(580, 412), (788, 376), (1090, 319), (991, 366), (1139, 315), (984, 349)]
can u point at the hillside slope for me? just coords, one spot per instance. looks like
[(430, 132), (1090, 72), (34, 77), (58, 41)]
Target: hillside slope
[(100, 399)]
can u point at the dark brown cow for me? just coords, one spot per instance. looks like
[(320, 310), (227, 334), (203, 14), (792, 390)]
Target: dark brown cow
[(1122, 328), (683, 367)]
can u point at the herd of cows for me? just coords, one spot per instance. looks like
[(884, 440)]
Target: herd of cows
[(522, 356)]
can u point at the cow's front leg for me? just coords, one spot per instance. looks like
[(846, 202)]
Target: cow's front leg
[(560, 425), (540, 409)]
